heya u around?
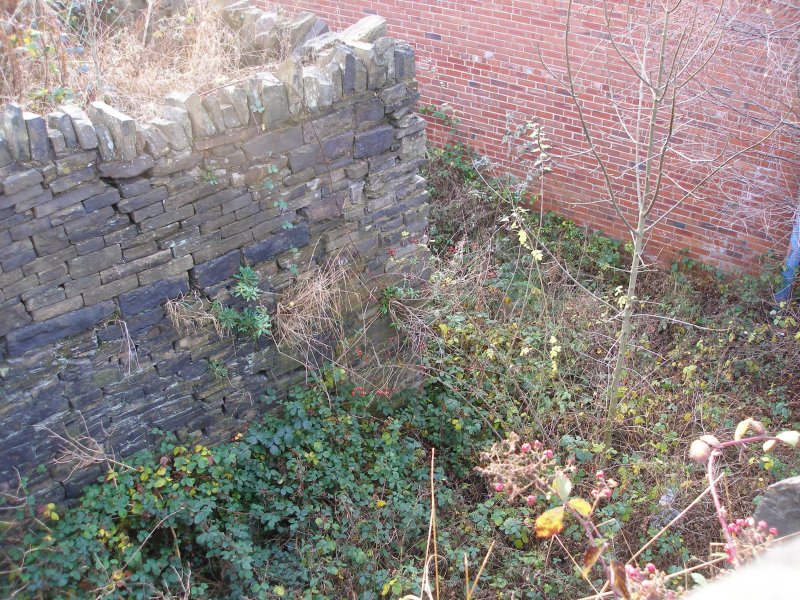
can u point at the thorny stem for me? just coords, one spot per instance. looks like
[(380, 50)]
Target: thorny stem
[(721, 511), (712, 483)]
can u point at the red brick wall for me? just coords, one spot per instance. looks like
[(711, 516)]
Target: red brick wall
[(481, 58)]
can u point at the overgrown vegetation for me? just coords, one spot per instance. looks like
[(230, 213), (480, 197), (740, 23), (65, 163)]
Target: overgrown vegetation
[(516, 337), (78, 51)]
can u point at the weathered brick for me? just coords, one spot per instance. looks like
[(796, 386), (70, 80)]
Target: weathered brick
[(175, 267), (136, 238), (187, 196), (14, 317), (135, 186), (36, 335), (220, 198), (338, 146), (153, 295), (211, 220), (238, 203), (90, 245), (16, 254), (75, 161), (276, 244), (29, 228), (56, 272), (50, 241), (20, 180), (229, 137), (134, 252), (216, 270), (147, 212), (98, 223), (67, 182), (78, 286), (172, 163), (144, 263), (131, 204), (162, 220), (273, 142), (107, 198), (67, 199), (322, 128), (218, 248), (12, 290), (304, 157), (54, 310), (44, 297), (110, 290), (374, 141), (94, 262), (44, 263), (328, 208), (25, 199)]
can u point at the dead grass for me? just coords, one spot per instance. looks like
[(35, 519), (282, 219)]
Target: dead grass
[(45, 62), (189, 313), (314, 305)]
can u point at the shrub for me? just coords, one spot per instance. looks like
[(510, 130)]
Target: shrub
[(322, 497)]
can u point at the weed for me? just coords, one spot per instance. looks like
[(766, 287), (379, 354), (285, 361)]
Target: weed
[(218, 369), (210, 177)]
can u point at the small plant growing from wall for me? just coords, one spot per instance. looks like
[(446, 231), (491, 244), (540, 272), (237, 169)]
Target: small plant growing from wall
[(252, 321)]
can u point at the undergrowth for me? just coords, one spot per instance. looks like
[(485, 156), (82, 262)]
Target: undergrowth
[(329, 498), (52, 53)]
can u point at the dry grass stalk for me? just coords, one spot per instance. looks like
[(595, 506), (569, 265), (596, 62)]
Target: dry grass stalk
[(189, 313), (44, 61), (313, 306), (83, 450), (129, 350)]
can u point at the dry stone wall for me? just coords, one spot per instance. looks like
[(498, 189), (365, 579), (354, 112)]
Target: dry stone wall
[(103, 219)]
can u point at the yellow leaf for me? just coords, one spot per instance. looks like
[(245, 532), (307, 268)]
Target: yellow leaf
[(792, 438), (562, 486), (769, 445), (580, 506), (523, 238), (550, 522), (741, 429), (380, 503)]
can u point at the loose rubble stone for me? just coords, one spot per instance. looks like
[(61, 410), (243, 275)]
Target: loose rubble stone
[(780, 507), (82, 125)]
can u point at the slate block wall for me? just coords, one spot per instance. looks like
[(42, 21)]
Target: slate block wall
[(103, 219)]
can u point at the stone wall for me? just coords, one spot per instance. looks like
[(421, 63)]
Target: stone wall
[(103, 219)]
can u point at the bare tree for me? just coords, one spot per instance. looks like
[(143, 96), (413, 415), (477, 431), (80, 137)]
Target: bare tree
[(662, 81)]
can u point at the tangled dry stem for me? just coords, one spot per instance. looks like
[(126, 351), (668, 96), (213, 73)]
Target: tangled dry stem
[(314, 305), (190, 313)]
